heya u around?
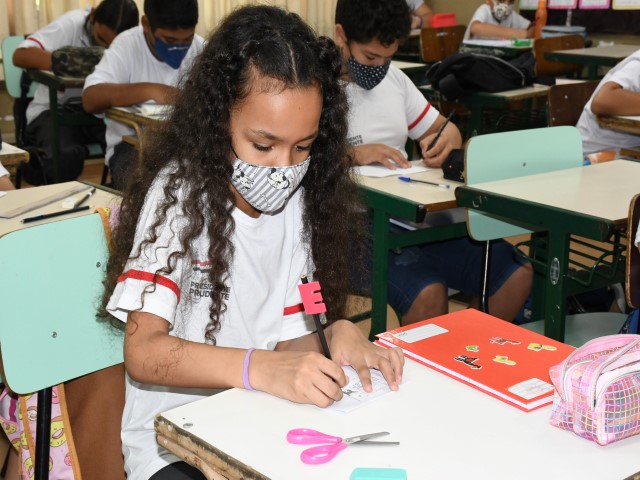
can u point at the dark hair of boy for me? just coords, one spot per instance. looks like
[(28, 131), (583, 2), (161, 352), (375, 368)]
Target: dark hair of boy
[(367, 20), (118, 15), (256, 47), (171, 14)]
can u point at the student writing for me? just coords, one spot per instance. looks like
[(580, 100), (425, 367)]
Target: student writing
[(496, 19), (243, 190)]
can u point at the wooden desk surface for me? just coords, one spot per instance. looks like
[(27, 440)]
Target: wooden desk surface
[(50, 79), (28, 196), (446, 430), (11, 156), (601, 190), (409, 66), (626, 124), (432, 198)]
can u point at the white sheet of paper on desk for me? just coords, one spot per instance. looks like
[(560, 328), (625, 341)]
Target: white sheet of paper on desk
[(154, 109), (354, 394), (378, 170), (2, 194)]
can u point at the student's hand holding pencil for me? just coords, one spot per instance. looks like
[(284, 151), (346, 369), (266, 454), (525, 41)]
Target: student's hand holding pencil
[(441, 138)]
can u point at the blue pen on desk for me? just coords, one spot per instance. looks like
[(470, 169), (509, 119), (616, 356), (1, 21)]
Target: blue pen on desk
[(409, 179)]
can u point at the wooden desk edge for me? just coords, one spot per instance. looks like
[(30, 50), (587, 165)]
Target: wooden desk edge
[(213, 463), (619, 124)]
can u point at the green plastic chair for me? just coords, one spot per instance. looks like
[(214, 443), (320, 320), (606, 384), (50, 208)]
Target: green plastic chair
[(520, 153), (12, 73), (53, 275)]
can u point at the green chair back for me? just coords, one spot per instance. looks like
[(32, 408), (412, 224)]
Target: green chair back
[(12, 73), (500, 156), (51, 277)]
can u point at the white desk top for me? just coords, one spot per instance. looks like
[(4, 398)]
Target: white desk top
[(434, 198), (446, 430), (602, 190), (28, 196), (402, 65), (613, 51)]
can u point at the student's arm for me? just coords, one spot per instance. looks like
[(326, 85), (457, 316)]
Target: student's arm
[(5, 184), (100, 97), (32, 57), (348, 346), (379, 153), (612, 99), (449, 139), (479, 29), (152, 356), (421, 16)]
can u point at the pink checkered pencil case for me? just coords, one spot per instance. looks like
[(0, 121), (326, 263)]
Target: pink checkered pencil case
[(597, 389)]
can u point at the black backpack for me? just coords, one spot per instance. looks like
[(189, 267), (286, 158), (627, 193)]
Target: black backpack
[(464, 73)]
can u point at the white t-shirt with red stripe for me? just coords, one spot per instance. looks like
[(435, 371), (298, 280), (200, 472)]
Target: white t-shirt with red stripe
[(66, 30), (389, 112), (263, 305)]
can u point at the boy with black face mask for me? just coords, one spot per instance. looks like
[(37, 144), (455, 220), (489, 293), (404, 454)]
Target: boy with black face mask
[(496, 20), (385, 108), (143, 65)]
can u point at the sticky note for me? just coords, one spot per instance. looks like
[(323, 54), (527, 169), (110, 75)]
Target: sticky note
[(362, 473)]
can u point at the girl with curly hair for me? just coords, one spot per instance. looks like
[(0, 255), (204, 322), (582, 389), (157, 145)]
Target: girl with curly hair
[(242, 191)]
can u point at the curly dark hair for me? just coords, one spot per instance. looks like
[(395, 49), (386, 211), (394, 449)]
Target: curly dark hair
[(252, 44), (367, 20)]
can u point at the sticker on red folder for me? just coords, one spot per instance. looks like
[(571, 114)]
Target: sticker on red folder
[(420, 333)]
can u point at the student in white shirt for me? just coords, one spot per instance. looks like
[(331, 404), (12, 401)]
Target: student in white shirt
[(144, 64), (496, 20), (617, 94), (5, 181), (245, 188), (385, 108), (77, 28)]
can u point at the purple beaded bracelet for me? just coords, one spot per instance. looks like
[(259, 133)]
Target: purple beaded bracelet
[(245, 372)]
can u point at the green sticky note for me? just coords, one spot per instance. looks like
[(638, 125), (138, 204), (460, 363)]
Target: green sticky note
[(378, 474)]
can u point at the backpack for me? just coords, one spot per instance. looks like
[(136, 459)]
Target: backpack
[(77, 62), (463, 73)]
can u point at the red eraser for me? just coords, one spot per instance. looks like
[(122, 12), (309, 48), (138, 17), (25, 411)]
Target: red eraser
[(312, 298)]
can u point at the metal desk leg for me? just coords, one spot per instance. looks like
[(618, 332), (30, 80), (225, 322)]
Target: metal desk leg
[(55, 130), (556, 301), (379, 272), (43, 434)]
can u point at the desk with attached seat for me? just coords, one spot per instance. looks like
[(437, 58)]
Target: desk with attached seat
[(593, 57)]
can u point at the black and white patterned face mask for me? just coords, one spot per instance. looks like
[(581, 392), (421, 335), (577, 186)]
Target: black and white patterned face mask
[(501, 10), (267, 189), (367, 76)]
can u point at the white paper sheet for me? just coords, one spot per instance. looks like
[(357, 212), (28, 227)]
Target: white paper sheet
[(354, 394), (378, 170)]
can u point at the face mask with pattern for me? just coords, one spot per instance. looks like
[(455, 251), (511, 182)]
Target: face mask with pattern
[(267, 189), (501, 10)]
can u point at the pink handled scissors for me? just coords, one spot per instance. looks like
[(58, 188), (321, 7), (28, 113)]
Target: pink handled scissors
[(332, 445)]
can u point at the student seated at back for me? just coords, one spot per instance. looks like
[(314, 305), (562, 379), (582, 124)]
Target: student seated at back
[(497, 20), (77, 28), (384, 108), (143, 65), (617, 94)]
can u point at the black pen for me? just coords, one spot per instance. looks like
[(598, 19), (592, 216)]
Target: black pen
[(444, 125), (55, 214), (316, 319), (84, 198)]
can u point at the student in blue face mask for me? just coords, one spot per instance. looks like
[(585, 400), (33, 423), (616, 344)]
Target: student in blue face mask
[(142, 66)]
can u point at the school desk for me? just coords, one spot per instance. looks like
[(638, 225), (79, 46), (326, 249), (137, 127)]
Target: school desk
[(414, 70), (389, 197), (593, 57), (591, 202), (11, 156), (446, 430), (133, 118), (46, 196), (64, 116), (477, 102), (621, 123)]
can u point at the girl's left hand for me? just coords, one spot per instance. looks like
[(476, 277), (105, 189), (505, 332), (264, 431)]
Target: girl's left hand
[(349, 346)]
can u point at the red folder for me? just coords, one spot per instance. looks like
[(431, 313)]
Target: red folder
[(503, 360)]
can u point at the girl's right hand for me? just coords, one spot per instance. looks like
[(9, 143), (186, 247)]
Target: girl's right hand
[(301, 377)]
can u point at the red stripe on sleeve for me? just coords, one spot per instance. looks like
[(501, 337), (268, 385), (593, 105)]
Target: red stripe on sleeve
[(151, 278), (36, 41), (293, 309), (420, 117)]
